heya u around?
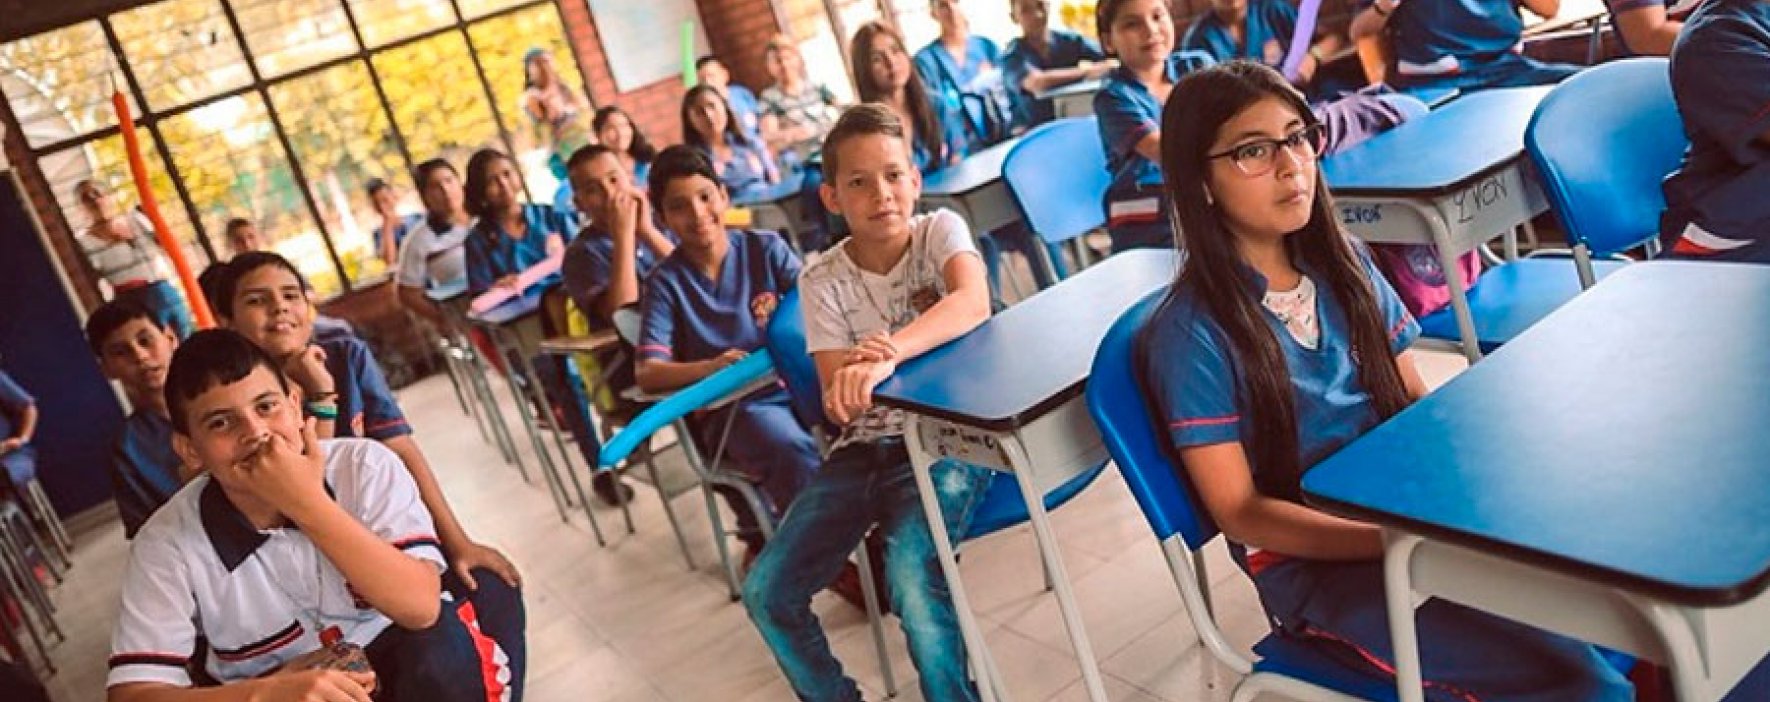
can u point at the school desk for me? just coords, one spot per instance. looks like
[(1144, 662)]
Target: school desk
[(778, 208), (1454, 178), (975, 190), (452, 300), (1601, 476), (1008, 396), (1075, 99), (516, 333)]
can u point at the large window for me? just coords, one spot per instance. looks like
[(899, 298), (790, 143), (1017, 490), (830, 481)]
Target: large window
[(282, 111)]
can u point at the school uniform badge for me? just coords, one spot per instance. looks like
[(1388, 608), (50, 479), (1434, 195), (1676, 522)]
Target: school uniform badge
[(762, 307)]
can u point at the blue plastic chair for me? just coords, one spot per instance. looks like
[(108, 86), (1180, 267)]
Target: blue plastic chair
[(1057, 176), (1601, 171), (1183, 529)]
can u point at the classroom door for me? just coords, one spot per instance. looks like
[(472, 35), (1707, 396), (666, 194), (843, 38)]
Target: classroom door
[(43, 347)]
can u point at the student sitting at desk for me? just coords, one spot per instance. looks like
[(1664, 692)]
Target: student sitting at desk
[(1254, 361), (1257, 30), (796, 113), (617, 131), (1716, 207), (134, 348), (743, 165), (310, 566), (1140, 33), (266, 300), (604, 265), (509, 236), (745, 110), (958, 62), (1042, 59), (1463, 44), (933, 129), (434, 254), (900, 285), (707, 305)]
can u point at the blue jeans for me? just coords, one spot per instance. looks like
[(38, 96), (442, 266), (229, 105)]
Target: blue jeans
[(768, 446), (861, 486)]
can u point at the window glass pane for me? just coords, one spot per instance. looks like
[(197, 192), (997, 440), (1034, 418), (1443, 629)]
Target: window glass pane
[(342, 140), (104, 162), (480, 8), (59, 83), (181, 51), (289, 35), (384, 21), (451, 123), (501, 43), (233, 165)]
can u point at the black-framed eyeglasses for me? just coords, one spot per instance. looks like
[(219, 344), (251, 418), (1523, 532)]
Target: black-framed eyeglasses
[(1260, 156)]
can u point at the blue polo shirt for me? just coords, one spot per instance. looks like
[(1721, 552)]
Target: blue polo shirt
[(493, 254), (685, 317), (1128, 112), (366, 407), (1721, 78), (744, 109), (13, 401), (1267, 21), (1064, 49), (956, 141), (144, 468), (749, 170), (588, 262), (1195, 376), (942, 74), (1451, 36)]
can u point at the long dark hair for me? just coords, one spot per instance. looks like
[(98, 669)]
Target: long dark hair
[(694, 137), (922, 113), (1198, 107), (474, 190), (640, 149)]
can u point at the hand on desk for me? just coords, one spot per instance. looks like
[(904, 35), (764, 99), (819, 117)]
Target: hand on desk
[(850, 393), (10, 445), (510, 281), (872, 349)]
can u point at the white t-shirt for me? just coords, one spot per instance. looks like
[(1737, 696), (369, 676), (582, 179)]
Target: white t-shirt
[(137, 260), (844, 304), (1296, 310), (427, 258), (259, 597)]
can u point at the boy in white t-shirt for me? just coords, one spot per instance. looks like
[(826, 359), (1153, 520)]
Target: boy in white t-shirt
[(287, 554), (901, 285)]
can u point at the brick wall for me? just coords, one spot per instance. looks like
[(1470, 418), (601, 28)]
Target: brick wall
[(738, 30)]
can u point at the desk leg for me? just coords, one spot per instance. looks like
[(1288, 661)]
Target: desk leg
[(1459, 288), (542, 457), (1058, 575), (565, 457), (478, 372), (1398, 593), (981, 666)]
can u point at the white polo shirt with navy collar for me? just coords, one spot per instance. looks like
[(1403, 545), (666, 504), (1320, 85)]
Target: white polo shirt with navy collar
[(199, 568)]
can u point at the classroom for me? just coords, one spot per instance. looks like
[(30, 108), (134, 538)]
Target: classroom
[(843, 350)]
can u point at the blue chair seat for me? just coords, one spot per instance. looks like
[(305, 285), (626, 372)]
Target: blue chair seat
[(1510, 298), (1287, 656), (1002, 506)]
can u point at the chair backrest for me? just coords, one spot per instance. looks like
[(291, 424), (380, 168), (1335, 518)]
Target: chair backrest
[(626, 322), (1603, 141), (786, 342), (1057, 175), (1121, 411)]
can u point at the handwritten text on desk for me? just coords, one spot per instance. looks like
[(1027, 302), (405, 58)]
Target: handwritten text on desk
[(1475, 198)]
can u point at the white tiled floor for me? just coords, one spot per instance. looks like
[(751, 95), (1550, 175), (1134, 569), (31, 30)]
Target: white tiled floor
[(631, 623)]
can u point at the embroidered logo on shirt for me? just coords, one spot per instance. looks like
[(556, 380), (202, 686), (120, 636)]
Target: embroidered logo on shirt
[(762, 307)]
